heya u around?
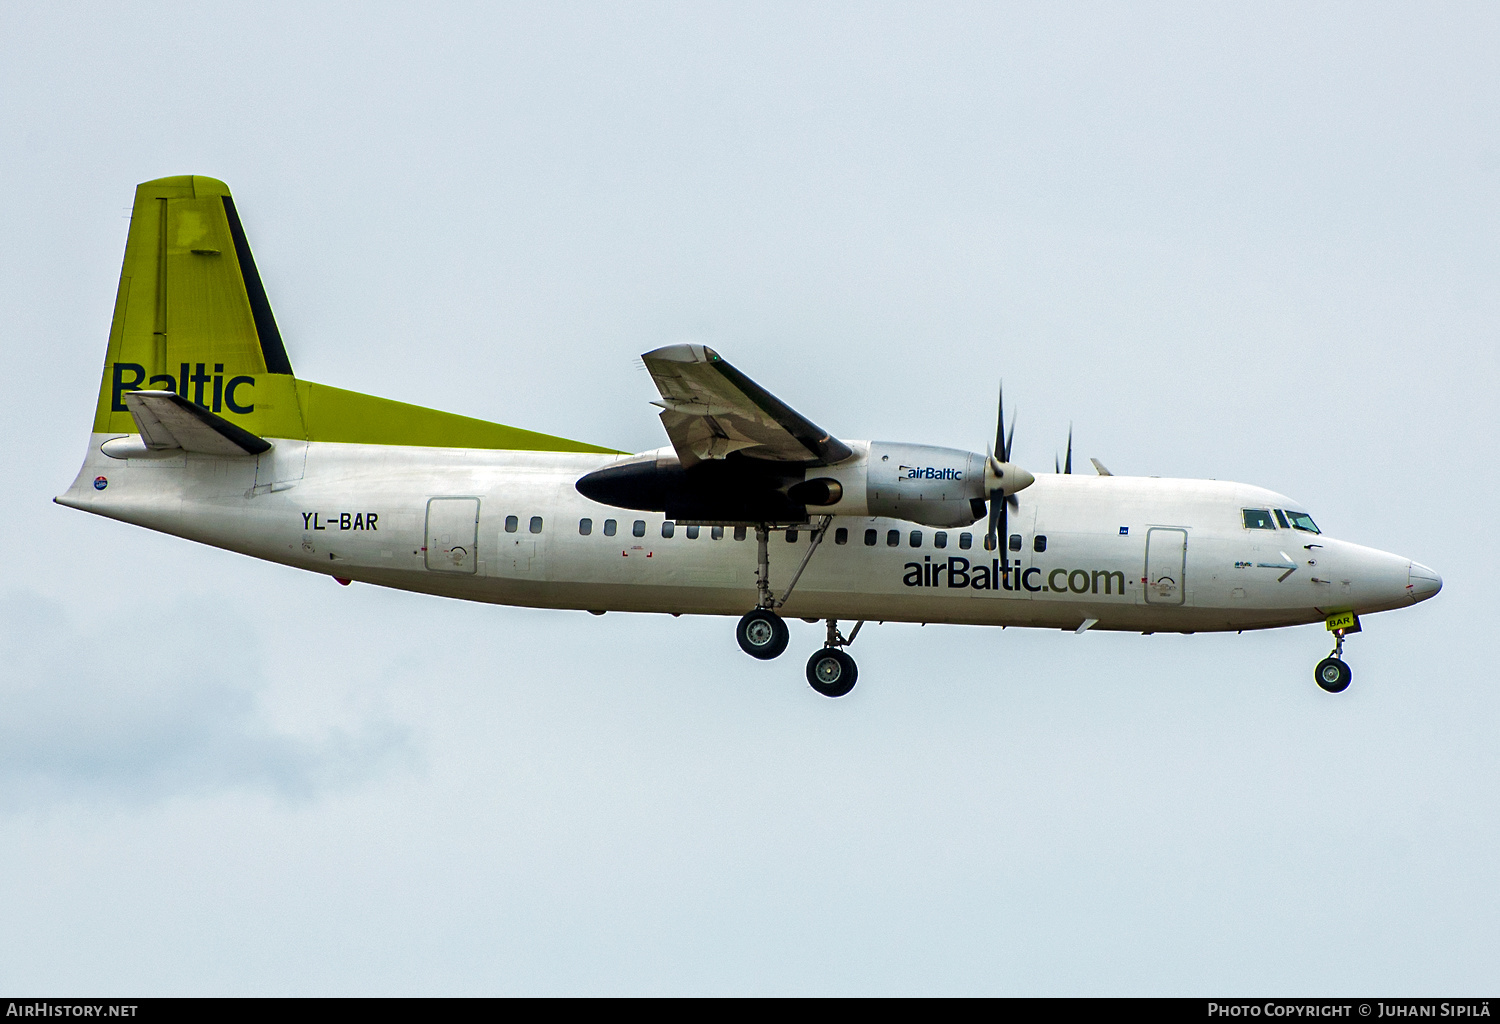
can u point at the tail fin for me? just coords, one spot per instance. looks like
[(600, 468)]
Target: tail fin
[(191, 315)]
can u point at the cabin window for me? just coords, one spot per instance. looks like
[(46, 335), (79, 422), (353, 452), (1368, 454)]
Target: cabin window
[(1015, 542), (791, 536), (916, 538), (585, 527), (990, 544), (871, 536), (536, 524), (940, 539), (609, 527), (512, 524), (1039, 543), (668, 528), (1303, 521), (1281, 519), (841, 536), (893, 539), (717, 533), (739, 533), (1258, 519), (693, 532), (965, 541), (639, 528)]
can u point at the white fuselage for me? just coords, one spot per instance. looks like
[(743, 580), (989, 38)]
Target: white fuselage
[(1132, 553)]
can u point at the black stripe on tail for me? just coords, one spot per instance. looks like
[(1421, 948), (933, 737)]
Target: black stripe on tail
[(271, 346)]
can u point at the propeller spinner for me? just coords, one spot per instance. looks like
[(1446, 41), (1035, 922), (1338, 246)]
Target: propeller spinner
[(1002, 479)]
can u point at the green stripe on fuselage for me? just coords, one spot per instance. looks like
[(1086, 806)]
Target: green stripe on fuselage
[(333, 414)]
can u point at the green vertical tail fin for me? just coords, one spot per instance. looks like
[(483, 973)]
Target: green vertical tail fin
[(191, 315)]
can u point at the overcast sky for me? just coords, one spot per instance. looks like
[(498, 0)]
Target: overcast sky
[(1250, 242)]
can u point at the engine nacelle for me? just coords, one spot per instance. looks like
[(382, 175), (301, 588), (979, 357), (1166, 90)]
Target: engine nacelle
[(939, 487), (925, 484), (942, 487)]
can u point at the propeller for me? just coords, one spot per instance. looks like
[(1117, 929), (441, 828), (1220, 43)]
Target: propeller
[(1002, 479), (1067, 467)]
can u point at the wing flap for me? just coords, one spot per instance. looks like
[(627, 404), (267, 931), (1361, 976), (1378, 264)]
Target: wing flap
[(711, 410), (167, 420)]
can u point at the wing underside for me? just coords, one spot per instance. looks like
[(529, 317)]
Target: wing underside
[(711, 410)]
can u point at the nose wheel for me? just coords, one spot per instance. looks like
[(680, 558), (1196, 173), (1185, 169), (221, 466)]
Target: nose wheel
[(1332, 674)]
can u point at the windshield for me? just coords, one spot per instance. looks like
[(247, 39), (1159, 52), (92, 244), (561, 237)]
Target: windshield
[(1302, 521)]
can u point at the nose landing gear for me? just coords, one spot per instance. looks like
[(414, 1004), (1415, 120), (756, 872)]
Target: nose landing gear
[(1332, 674)]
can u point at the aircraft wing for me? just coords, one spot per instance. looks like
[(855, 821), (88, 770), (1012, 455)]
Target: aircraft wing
[(167, 420), (710, 410)]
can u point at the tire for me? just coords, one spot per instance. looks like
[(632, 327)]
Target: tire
[(762, 634), (832, 672), (1333, 675)]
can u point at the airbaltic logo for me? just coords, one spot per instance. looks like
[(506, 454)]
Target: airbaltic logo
[(929, 473), (960, 574), (224, 394)]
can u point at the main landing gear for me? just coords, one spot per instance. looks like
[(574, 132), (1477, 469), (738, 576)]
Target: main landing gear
[(762, 633), (832, 671), (1332, 674)]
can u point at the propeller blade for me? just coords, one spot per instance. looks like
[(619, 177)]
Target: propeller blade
[(1000, 539), (1056, 466), (1068, 466), (1000, 446), (1001, 479)]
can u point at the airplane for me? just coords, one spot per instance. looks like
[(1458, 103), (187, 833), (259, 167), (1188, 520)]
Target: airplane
[(203, 431)]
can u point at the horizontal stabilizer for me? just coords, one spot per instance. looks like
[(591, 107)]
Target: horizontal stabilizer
[(167, 420)]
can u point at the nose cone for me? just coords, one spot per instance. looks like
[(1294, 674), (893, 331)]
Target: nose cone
[(1422, 582)]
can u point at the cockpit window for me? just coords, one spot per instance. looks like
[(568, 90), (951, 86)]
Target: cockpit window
[(1259, 519), (1302, 521)]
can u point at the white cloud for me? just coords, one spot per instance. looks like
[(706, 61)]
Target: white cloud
[(153, 705)]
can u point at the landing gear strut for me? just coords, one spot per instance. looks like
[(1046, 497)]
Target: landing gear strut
[(762, 633), (831, 671), (1332, 674)]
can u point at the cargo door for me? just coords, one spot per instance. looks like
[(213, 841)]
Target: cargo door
[(452, 534), (1166, 564)]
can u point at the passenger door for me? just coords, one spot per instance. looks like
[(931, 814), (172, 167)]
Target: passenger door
[(1166, 565), (452, 534)]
